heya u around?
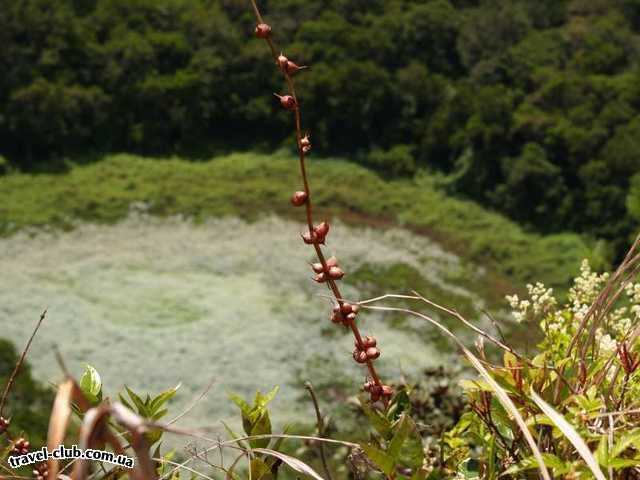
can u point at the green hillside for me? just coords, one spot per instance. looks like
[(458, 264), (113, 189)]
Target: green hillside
[(250, 186)]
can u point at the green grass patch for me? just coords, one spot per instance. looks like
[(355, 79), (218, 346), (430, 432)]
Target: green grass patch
[(250, 185)]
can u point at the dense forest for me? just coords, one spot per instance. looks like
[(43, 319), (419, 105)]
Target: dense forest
[(527, 106)]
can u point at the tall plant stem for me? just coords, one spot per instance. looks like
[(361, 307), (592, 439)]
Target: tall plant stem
[(332, 285)]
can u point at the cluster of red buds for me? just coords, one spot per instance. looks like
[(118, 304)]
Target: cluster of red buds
[(4, 425), (630, 362), (41, 472), (316, 236), (20, 446), (344, 314), (329, 271), (305, 143), (377, 391), (366, 350)]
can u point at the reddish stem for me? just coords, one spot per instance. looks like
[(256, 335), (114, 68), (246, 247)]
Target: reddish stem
[(332, 285)]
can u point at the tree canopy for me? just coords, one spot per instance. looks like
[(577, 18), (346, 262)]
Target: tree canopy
[(529, 107)]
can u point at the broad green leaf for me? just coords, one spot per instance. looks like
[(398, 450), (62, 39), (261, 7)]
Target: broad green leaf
[(406, 446), (380, 459), (91, 384), (261, 427), (377, 420)]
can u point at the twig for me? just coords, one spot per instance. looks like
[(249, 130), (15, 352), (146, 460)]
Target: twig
[(16, 369), (194, 403), (320, 423)]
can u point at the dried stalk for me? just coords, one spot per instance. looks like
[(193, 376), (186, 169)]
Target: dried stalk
[(19, 363), (331, 283)]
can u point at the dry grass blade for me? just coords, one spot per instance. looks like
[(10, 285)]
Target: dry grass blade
[(19, 363), (297, 465), (503, 397), (569, 432), (58, 422), (94, 433)]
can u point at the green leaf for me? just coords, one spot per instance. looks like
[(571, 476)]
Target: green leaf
[(625, 442), (140, 405), (258, 469), (378, 421), (245, 408), (530, 463), (262, 401), (401, 432), (234, 435), (91, 384), (602, 452), (406, 446), (261, 427), (380, 459), (162, 398)]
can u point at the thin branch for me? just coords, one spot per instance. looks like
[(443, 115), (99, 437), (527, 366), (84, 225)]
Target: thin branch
[(194, 403), (320, 423), (16, 369)]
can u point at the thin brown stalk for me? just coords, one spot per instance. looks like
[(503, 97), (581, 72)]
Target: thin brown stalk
[(19, 363), (320, 425), (332, 285)]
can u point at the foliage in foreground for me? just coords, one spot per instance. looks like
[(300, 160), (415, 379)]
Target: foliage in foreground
[(567, 410), (245, 184)]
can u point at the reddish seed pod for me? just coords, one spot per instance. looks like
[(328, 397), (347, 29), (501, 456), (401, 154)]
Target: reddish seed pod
[(287, 102), (263, 30), (369, 341), (351, 317), (282, 62), (299, 198), (291, 68), (317, 267), (322, 229), (320, 277), (4, 425), (335, 273), (387, 391), (362, 357), (21, 446), (41, 472), (372, 353), (332, 262), (309, 238), (346, 308)]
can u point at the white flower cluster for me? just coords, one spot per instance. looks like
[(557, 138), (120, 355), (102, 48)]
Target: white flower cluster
[(541, 305), (541, 302)]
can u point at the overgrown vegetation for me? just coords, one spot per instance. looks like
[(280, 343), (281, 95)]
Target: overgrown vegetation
[(246, 184)]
